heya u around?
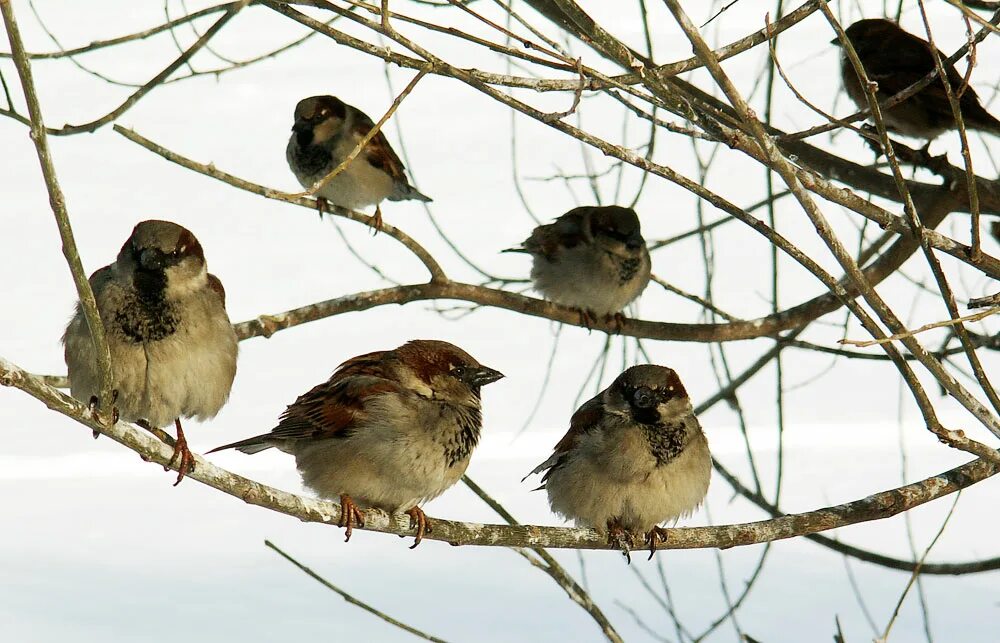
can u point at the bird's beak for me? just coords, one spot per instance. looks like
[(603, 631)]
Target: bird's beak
[(483, 376), (300, 126), (152, 259), (835, 42), (634, 242)]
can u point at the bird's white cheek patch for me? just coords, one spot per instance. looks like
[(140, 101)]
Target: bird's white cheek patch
[(326, 130), (179, 285)]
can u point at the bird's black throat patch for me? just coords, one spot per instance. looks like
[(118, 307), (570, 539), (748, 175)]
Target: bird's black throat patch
[(311, 159), (666, 441), (148, 316), (459, 445), (627, 269)]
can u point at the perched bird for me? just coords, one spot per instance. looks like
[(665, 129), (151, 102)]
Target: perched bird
[(895, 59), (592, 258), (173, 348), (634, 457), (325, 132), (390, 429)]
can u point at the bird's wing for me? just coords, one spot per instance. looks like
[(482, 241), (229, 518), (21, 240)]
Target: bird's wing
[(216, 285), (378, 152), (586, 418), (568, 231), (336, 407), (905, 60)]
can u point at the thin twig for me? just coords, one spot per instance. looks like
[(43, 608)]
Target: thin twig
[(372, 133), (154, 82), (916, 571), (437, 274), (910, 333), (139, 35), (552, 567), (354, 601)]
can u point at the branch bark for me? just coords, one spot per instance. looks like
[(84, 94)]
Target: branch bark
[(878, 506), (57, 202)]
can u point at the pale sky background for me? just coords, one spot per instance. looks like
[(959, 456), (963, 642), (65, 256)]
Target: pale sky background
[(97, 546)]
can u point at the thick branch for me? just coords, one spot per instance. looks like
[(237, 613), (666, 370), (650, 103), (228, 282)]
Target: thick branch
[(875, 507), (58, 203), (793, 317)]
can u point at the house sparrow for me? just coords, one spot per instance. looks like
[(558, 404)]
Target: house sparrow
[(173, 348), (592, 258), (389, 429), (325, 132), (634, 457), (895, 60)]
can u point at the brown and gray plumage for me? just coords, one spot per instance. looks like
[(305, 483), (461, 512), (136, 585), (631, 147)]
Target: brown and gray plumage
[(895, 59), (390, 429), (634, 457), (173, 348), (325, 132), (592, 258)]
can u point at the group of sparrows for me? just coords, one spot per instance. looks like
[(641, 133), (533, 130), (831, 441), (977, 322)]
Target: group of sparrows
[(395, 428)]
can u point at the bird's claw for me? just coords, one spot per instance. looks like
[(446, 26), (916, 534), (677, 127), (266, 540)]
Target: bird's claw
[(94, 405), (653, 536), (617, 322), (870, 134), (420, 522), (322, 206), (376, 222), (182, 455), (621, 539), (587, 318), (350, 515)]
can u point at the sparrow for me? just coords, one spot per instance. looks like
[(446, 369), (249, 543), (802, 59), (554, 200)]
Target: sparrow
[(895, 59), (633, 458), (389, 429), (592, 258), (325, 132), (173, 348)]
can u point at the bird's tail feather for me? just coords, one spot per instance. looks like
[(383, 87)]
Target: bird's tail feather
[(545, 466), (981, 120), (409, 193), (256, 444)]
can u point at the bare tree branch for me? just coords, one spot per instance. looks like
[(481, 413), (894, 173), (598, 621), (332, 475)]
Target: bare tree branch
[(878, 506)]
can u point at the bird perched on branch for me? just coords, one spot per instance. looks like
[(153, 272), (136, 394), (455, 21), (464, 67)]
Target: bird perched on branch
[(633, 458), (325, 132), (390, 429), (896, 59), (592, 258), (173, 348)]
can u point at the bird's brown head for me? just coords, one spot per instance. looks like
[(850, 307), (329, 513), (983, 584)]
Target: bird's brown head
[(162, 254), (649, 394), (318, 119), (444, 370), (870, 35), (617, 226)]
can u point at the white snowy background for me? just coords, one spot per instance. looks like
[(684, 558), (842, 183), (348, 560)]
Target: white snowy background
[(96, 545)]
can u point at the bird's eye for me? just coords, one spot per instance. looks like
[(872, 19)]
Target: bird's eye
[(614, 233), (458, 371), (644, 398)]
